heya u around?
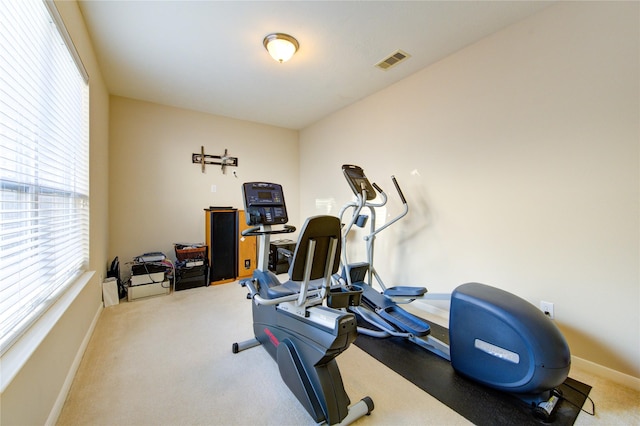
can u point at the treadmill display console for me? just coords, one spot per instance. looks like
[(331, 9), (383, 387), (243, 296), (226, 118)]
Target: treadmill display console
[(264, 203)]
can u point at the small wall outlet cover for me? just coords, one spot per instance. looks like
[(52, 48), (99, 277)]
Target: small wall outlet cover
[(214, 188), (547, 308)]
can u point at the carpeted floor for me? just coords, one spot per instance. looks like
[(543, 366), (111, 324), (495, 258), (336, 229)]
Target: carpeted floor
[(167, 360)]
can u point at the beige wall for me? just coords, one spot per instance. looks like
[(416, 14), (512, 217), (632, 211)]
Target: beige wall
[(158, 196), (38, 390), (519, 158)]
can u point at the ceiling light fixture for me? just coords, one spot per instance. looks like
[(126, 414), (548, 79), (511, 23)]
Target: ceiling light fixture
[(280, 46)]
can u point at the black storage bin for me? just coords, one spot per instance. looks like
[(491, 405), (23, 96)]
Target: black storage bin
[(196, 276), (195, 271), (187, 278)]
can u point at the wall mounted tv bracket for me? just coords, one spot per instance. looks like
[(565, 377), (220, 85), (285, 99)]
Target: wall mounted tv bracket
[(222, 160)]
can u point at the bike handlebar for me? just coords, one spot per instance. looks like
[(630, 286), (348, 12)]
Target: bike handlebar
[(257, 231)]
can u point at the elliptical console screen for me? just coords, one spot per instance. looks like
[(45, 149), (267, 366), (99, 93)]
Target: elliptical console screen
[(358, 181), (264, 203)]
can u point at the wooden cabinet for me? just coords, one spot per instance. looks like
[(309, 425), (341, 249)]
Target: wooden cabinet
[(247, 249), (231, 255)]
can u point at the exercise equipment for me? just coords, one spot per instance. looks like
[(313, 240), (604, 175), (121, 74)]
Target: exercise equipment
[(495, 337), (299, 322)]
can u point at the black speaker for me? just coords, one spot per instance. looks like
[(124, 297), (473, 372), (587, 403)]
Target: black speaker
[(223, 244)]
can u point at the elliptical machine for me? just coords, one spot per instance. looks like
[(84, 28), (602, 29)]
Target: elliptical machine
[(495, 337), (289, 319)]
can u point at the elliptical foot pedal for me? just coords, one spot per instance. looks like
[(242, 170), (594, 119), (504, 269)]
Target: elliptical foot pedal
[(405, 291), (405, 321)]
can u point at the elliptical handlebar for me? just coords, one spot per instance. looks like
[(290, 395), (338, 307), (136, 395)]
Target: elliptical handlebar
[(362, 201), (256, 231), (395, 182), (355, 177), (383, 197), (404, 212), (357, 180)]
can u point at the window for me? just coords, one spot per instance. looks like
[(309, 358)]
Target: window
[(44, 164)]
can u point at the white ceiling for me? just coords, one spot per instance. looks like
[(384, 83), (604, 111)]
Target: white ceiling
[(208, 55)]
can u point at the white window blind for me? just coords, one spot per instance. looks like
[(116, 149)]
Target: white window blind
[(44, 164)]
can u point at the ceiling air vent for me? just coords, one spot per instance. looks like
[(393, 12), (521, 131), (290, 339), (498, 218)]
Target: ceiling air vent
[(392, 60)]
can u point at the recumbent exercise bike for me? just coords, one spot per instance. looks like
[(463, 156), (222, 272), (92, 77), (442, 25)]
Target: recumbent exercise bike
[(297, 321)]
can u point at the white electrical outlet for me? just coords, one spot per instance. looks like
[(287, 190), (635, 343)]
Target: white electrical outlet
[(214, 188), (547, 308)]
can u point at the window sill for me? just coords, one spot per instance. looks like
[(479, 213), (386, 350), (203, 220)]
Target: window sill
[(19, 353)]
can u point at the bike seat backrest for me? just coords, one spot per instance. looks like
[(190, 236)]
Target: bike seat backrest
[(321, 229)]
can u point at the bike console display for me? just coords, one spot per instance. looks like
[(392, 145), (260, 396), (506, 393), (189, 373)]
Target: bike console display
[(264, 203)]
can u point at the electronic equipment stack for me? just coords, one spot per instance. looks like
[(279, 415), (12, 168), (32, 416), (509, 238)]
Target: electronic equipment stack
[(151, 275), (192, 266)]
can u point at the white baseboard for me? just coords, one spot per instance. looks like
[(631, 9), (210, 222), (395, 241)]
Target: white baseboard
[(606, 373), (66, 386)]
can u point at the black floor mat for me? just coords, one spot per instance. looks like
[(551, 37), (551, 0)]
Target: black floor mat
[(477, 403)]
